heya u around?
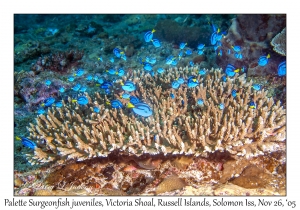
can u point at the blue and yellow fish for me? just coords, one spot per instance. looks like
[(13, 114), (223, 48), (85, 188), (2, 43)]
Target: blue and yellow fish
[(238, 55), (224, 78), (89, 78), (182, 45), (202, 72), (252, 105), (76, 87), (220, 53), (231, 70), (172, 95), (200, 46), (256, 87), (134, 100), (180, 80), (234, 93), (128, 86), (281, 70), (221, 106), (148, 35), (175, 84), (116, 104), (48, 82), (188, 52), (236, 48), (123, 56), (100, 59), (125, 95), (59, 104), (121, 72), (191, 63), (81, 100), (71, 79), (147, 67), (96, 109), (141, 109), (200, 102), (263, 60), (48, 102), (160, 70), (61, 89), (200, 52), (170, 59), (192, 82), (27, 142), (41, 111), (100, 80), (117, 52), (112, 71), (174, 62), (79, 72), (111, 59), (106, 85), (82, 89), (156, 42)]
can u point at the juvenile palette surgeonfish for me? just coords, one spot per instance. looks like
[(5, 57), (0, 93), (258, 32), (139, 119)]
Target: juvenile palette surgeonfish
[(48, 101), (59, 104), (221, 106), (79, 72), (106, 85), (252, 105), (182, 45), (200, 102), (200, 46), (180, 80), (192, 82), (281, 70), (236, 48), (112, 71), (160, 70), (125, 95), (156, 42), (116, 104), (263, 60), (141, 109), (256, 87), (96, 109), (202, 72), (234, 93), (82, 100), (61, 89), (175, 84), (148, 35), (117, 52), (134, 100), (71, 79), (231, 70), (188, 52), (76, 87), (200, 52), (41, 111), (48, 82), (27, 142), (147, 67), (128, 86), (121, 72)]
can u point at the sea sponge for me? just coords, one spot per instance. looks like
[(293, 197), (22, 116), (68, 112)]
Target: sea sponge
[(279, 43)]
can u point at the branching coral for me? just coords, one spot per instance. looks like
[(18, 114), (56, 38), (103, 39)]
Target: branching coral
[(178, 126), (279, 43)]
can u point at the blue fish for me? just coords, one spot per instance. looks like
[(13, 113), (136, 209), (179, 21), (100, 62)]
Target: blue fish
[(238, 55), (123, 56), (121, 72), (216, 47), (141, 109), (224, 78), (160, 70), (96, 109), (200, 46), (188, 52), (150, 60), (48, 82), (182, 102), (156, 42), (82, 89), (281, 69), (170, 59), (256, 87), (71, 79), (107, 91), (81, 100), (147, 67), (220, 53), (182, 45), (231, 70), (236, 48), (148, 35), (263, 60), (100, 80), (61, 89), (100, 59), (200, 52), (172, 95), (125, 95), (59, 104), (128, 86), (134, 100), (221, 106), (89, 78), (200, 102), (192, 82), (106, 85), (76, 87), (112, 71), (219, 44), (174, 62), (95, 77), (117, 52), (175, 84), (79, 72), (213, 38), (180, 80), (41, 111), (228, 51), (191, 63), (48, 101), (252, 105), (28, 143), (202, 72), (233, 93), (116, 104), (111, 59), (152, 73)]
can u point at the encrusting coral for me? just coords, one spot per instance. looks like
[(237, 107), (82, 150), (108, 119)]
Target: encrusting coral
[(178, 125), (279, 42)]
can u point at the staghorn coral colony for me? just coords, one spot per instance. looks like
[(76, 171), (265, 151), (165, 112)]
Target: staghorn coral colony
[(184, 130)]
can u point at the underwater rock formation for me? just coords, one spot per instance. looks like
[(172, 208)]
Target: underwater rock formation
[(178, 124)]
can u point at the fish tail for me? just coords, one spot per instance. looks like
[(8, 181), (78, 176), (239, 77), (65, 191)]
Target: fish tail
[(153, 30), (97, 84), (268, 56), (74, 100), (130, 105), (18, 138)]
